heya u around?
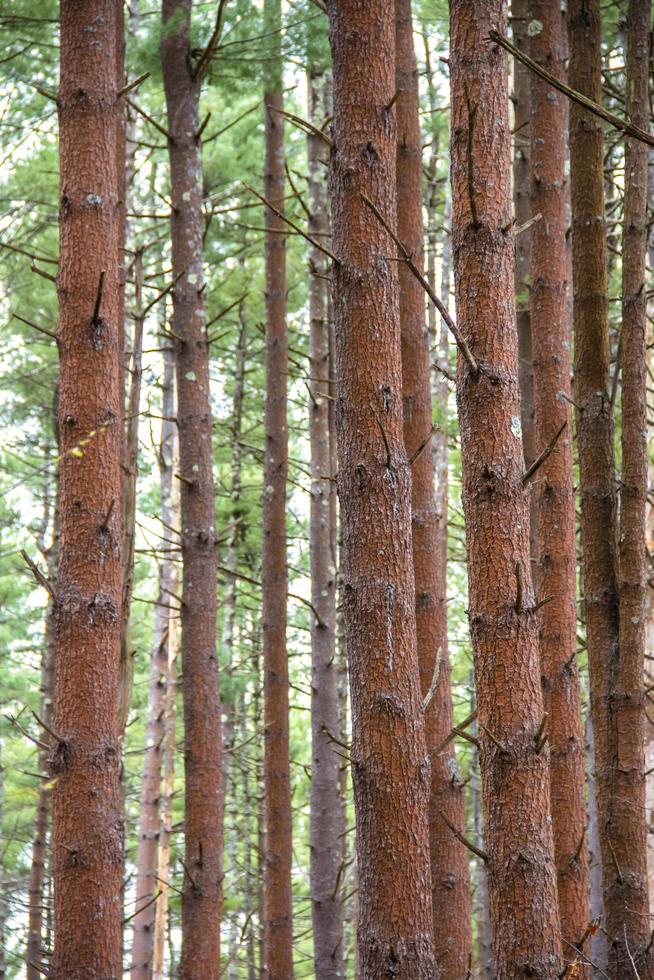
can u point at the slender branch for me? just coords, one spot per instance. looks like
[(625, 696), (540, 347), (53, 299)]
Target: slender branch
[(205, 59), (434, 681), (464, 840), (538, 462), (132, 85), (442, 309), (292, 224), (39, 576), (302, 123), (472, 117), (153, 122), (621, 125), (44, 330), (453, 732)]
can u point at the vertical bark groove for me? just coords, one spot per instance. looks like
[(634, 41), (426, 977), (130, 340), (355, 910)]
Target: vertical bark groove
[(515, 773), (391, 772)]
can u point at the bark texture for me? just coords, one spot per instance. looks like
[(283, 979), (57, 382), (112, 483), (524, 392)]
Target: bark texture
[(327, 814), (87, 819), (616, 685), (553, 483), (449, 862), (514, 763), (202, 898), (278, 911), (391, 772), (629, 831)]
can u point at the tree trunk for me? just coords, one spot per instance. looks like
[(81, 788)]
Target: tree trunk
[(147, 866), (327, 817), (450, 877), (628, 830), (202, 898), (520, 19), (553, 483), (278, 911), (514, 760), (87, 821), (616, 679), (390, 764)]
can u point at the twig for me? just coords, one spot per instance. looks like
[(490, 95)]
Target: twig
[(434, 681), (203, 126), (464, 840), (39, 576), (142, 908), (98, 300), (44, 330), (423, 445), (622, 125), (546, 453), (519, 603), (543, 602), (527, 224), (496, 742), (442, 309), (540, 738), (46, 728), (206, 56), (472, 116), (188, 874), (292, 224), (161, 295), (304, 124), (41, 272), (132, 85), (153, 122), (453, 732), (389, 459)]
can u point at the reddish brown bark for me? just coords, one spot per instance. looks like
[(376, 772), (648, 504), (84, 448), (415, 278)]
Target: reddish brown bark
[(452, 919), (202, 898), (390, 763), (147, 856), (520, 19), (278, 911), (514, 765), (327, 814), (87, 822), (553, 484), (616, 680), (629, 829)]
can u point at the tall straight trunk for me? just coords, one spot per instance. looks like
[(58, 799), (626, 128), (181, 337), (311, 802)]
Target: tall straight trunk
[(553, 484), (278, 911), (522, 110), (327, 816), (391, 772), (450, 878), (149, 835), (87, 826), (629, 829), (34, 949), (167, 786), (202, 890), (130, 476), (616, 678), (514, 761)]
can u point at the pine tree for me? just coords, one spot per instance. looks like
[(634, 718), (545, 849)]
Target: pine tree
[(278, 911), (389, 761), (202, 891), (87, 826), (513, 751), (554, 490), (449, 862)]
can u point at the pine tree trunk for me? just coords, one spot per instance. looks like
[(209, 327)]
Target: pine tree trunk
[(278, 911), (389, 759), (629, 830), (520, 19), (616, 679), (449, 862), (147, 855), (87, 827), (202, 899), (514, 762), (553, 483), (327, 817)]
